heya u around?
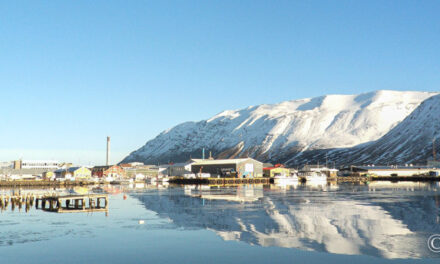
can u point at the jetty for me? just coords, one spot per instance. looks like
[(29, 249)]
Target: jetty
[(17, 201), (421, 178), (220, 181), (352, 179), (43, 183)]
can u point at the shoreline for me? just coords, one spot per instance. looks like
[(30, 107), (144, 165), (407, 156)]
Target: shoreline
[(218, 181), (44, 183)]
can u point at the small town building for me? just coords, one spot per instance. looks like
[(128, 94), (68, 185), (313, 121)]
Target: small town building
[(237, 168), (48, 175), (31, 169), (114, 171), (6, 165), (98, 171), (73, 173), (139, 171), (21, 173), (135, 164), (277, 170), (433, 163)]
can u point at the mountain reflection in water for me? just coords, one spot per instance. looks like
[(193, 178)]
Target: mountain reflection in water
[(385, 219)]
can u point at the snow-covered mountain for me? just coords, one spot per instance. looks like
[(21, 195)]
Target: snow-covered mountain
[(411, 141), (281, 132)]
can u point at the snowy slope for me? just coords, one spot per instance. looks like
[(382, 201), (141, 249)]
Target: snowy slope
[(274, 132), (408, 142)]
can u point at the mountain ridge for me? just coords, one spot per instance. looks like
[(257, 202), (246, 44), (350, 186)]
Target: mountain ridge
[(278, 132)]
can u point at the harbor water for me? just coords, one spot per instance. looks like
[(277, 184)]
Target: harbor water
[(379, 222)]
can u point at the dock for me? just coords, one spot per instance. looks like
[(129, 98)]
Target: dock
[(422, 178), (366, 179), (73, 203), (220, 181), (352, 179), (43, 183)]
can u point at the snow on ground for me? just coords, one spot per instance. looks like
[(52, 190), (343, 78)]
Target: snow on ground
[(270, 130)]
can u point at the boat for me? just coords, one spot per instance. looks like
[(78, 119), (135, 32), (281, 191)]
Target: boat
[(313, 176), (284, 180), (108, 179), (164, 179), (123, 181)]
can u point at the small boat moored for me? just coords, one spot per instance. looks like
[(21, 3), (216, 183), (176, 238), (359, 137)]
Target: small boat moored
[(313, 176), (283, 179)]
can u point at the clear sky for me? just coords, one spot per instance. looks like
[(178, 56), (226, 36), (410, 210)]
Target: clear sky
[(73, 72)]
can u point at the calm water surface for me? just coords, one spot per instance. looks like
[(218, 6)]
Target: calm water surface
[(377, 223)]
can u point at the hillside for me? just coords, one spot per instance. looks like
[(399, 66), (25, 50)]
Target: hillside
[(281, 132), (409, 142)]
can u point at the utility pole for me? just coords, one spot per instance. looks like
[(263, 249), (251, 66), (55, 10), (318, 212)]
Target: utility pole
[(433, 148)]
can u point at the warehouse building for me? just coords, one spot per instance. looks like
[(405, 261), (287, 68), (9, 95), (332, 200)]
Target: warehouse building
[(235, 168), (134, 171), (36, 164), (175, 169)]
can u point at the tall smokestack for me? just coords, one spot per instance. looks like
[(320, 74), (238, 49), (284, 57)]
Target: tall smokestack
[(108, 151)]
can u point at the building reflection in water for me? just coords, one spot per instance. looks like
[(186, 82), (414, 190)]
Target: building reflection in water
[(388, 221)]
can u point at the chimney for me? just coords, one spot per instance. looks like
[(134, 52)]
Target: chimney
[(108, 152)]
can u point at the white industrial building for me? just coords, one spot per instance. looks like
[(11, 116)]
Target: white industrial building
[(175, 169), (39, 164)]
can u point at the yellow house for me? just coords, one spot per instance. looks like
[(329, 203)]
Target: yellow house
[(275, 171), (48, 175), (73, 173), (82, 173)]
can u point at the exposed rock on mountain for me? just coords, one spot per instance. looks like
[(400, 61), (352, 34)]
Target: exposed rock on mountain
[(290, 131), (411, 141)]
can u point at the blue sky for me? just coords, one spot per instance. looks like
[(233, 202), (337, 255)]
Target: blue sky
[(73, 72)]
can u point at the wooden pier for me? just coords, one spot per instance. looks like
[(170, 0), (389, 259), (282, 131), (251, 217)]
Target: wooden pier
[(17, 201), (52, 202), (220, 181), (73, 203)]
